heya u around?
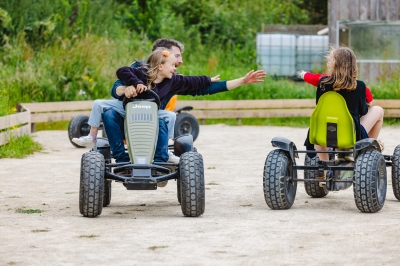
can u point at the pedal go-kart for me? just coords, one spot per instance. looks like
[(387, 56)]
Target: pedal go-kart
[(141, 131), (185, 123), (360, 163)]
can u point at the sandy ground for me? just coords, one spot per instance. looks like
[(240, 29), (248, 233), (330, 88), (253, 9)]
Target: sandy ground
[(148, 228)]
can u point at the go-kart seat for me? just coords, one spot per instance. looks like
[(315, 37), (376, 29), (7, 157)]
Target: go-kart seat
[(331, 124)]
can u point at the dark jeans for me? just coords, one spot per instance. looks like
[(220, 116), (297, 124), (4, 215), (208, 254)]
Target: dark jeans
[(114, 125)]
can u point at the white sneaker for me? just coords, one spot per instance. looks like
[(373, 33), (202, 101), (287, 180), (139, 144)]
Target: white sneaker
[(172, 158), (86, 141)]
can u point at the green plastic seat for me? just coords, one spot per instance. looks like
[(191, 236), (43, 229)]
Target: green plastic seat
[(331, 124)]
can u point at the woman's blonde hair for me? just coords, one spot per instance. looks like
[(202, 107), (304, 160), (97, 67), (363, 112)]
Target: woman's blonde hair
[(344, 71), (158, 56)]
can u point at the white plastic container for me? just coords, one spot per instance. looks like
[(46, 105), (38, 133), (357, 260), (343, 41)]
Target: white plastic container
[(277, 53), (311, 52)]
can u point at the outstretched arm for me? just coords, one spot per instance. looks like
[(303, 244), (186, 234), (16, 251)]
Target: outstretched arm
[(249, 78)]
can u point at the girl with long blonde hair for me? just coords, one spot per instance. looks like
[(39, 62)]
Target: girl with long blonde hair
[(342, 78)]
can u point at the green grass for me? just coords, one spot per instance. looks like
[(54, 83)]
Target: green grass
[(19, 147), (28, 211), (60, 125), (391, 121)]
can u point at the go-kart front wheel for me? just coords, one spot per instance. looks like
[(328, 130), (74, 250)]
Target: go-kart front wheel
[(191, 184), (91, 184), (370, 181), (279, 191)]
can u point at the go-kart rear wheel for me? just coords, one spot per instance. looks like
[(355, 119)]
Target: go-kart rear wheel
[(396, 172), (186, 124), (178, 190), (78, 127), (107, 193), (279, 192), (91, 184), (312, 188), (191, 179), (370, 181)]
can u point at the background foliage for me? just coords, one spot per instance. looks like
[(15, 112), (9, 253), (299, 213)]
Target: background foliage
[(70, 49)]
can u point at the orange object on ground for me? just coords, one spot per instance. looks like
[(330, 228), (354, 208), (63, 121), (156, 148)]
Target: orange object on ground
[(171, 104)]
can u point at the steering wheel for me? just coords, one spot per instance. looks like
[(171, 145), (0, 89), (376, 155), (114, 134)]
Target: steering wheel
[(154, 98)]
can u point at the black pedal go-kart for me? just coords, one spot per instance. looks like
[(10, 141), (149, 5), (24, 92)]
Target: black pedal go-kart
[(185, 123), (141, 173), (359, 164)]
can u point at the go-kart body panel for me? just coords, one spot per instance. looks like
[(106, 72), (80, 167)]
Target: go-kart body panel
[(141, 131)]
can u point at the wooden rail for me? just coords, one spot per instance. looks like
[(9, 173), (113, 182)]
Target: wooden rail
[(64, 111), (269, 108), (14, 126)]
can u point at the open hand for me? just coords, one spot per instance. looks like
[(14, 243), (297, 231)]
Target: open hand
[(215, 79), (301, 74), (254, 76)]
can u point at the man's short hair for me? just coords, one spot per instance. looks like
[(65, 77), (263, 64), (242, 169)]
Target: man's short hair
[(167, 43)]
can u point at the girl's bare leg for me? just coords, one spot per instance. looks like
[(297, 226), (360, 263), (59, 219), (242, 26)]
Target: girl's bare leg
[(322, 156), (372, 121)]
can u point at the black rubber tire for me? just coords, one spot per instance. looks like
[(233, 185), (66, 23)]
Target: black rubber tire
[(279, 194), (107, 193), (312, 188), (186, 124), (370, 181), (191, 178), (396, 172), (178, 191), (78, 127), (91, 184)]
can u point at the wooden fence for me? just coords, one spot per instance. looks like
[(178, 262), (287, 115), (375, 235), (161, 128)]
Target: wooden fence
[(64, 111), (32, 113), (55, 111), (14, 126)]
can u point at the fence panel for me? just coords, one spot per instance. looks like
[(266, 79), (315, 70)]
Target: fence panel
[(14, 126)]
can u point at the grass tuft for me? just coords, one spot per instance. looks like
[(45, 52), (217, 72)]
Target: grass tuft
[(28, 211), (19, 147)]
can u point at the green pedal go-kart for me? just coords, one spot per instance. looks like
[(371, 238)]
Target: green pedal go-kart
[(359, 164), (141, 173)]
